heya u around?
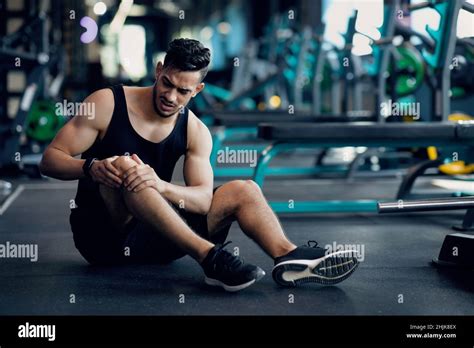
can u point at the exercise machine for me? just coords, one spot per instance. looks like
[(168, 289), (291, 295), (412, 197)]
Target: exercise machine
[(36, 121)]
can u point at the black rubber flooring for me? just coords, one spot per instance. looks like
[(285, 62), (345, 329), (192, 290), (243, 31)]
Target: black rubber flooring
[(395, 277)]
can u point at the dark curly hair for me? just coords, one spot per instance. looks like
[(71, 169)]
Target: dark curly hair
[(188, 55)]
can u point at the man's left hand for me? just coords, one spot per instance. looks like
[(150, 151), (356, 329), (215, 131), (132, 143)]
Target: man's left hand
[(142, 176)]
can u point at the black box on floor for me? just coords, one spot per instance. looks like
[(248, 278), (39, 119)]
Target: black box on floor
[(457, 251)]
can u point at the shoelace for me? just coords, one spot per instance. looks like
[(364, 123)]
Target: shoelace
[(226, 257), (312, 244)]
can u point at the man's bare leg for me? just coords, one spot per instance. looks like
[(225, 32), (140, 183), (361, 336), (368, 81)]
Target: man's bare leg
[(149, 206), (244, 202), (118, 211)]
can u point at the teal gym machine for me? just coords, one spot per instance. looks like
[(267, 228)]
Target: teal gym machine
[(313, 64), (440, 58), (255, 72), (293, 54), (301, 69)]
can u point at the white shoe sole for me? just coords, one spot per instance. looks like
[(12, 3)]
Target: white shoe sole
[(328, 270), (233, 288)]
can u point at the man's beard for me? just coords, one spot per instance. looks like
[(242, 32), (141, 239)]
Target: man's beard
[(155, 107)]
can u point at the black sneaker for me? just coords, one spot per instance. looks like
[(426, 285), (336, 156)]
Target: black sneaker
[(313, 264), (228, 271)]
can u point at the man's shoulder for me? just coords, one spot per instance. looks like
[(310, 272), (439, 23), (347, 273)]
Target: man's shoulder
[(103, 100), (101, 103), (197, 130), (195, 124), (103, 94)]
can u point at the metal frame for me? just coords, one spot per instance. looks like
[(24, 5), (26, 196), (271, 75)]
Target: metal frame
[(335, 206), (448, 11), (440, 59), (416, 171), (402, 206), (39, 57), (467, 221), (250, 133)]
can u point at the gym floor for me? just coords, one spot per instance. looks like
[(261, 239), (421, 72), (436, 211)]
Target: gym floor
[(360, 97), (394, 278)]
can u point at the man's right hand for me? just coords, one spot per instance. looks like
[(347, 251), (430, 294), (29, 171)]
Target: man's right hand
[(103, 172)]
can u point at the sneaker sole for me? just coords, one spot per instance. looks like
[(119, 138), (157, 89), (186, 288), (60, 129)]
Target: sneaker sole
[(328, 270), (233, 288)]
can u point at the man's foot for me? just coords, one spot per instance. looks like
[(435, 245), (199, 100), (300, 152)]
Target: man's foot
[(228, 271), (312, 264)]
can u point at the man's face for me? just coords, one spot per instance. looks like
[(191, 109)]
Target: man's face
[(175, 88)]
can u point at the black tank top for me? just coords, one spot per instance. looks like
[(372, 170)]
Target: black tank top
[(122, 139)]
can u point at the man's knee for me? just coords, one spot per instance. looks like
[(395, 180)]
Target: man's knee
[(124, 163), (247, 187), (243, 190)]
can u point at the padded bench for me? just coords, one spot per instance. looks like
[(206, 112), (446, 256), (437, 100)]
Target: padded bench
[(291, 136), (365, 131), (248, 119), (242, 126)]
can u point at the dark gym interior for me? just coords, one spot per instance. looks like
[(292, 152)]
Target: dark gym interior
[(355, 118)]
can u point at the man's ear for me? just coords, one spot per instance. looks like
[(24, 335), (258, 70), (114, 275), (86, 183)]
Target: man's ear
[(158, 69), (199, 88)]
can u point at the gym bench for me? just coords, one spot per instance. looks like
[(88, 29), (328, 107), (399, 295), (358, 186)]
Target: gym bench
[(286, 137)]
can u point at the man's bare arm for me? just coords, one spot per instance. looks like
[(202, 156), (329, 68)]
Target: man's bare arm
[(197, 194), (76, 137)]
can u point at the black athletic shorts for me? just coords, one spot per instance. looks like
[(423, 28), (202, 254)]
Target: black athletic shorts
[(99, 243)]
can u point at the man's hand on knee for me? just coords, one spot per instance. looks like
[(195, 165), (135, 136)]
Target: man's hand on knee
[(123, 163), (140, 176), (103, 172)]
